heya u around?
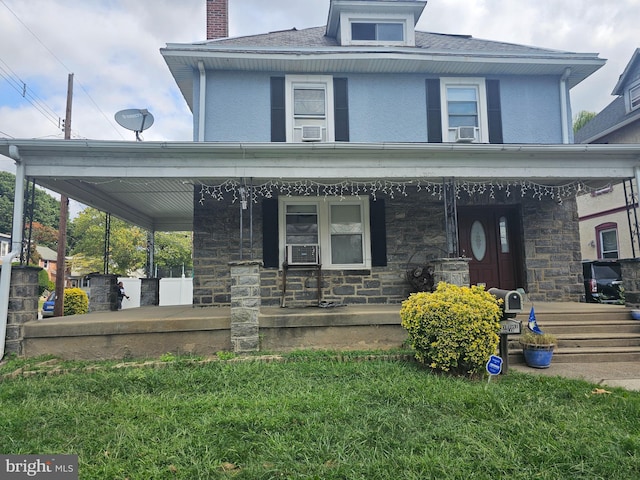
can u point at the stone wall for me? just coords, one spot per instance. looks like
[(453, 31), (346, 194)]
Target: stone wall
[(552, 250), (415, 237), (23, 305)]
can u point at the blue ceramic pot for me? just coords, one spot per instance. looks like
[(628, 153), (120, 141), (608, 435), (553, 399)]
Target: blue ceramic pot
[(538, 358)]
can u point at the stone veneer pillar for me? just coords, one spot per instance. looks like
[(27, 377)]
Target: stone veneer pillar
[(451, 270), (103, 296), (23, 305), (630, 268), (245, 305), (149, 291)]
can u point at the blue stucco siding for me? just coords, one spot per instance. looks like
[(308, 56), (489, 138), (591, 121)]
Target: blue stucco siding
[(387, 108), (238, 107), (531, 109), (382, 108)]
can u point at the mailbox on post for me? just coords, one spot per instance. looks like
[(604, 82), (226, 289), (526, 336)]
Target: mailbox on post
[(511, 306)]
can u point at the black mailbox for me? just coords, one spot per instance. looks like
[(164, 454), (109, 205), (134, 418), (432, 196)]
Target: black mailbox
[(511, 306), (512, 301)]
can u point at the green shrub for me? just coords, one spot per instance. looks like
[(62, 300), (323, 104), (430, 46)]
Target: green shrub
[(75, 301), (44, 283), (454, 328)]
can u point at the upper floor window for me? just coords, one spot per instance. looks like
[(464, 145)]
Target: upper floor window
[(392, 32), (309, 111), (634, 97), (464, 116)]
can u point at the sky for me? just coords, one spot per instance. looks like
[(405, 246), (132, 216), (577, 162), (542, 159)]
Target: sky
[(112, 48)]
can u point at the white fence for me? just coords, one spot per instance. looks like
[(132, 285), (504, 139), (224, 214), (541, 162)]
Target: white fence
[(173, 291)]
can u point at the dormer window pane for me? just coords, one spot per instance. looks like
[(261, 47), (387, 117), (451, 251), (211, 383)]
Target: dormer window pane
[(634, 96), (389, 32), (309, 102), (363, 31)]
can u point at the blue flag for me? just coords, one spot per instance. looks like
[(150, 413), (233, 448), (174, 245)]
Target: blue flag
[(533, 324)]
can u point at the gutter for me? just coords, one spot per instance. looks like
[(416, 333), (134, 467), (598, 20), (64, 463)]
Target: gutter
[(201, 100), (16, 245), (564, 107)]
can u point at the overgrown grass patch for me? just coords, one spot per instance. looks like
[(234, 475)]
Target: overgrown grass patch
[(317, 417)]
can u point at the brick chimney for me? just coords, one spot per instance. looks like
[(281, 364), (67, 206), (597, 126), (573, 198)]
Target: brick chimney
[(217, 19)]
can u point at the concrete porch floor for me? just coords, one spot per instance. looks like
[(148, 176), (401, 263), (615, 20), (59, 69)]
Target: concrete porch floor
[(151, 331)]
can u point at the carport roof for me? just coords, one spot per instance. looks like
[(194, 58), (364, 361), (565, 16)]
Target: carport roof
[(154, 184)]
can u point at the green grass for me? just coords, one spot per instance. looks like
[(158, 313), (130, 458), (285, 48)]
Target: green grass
[(313, 417)]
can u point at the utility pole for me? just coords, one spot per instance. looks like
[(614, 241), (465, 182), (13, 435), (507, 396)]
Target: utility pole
[(58, 307)]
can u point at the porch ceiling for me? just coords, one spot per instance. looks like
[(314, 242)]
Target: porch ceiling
[(151, 184)]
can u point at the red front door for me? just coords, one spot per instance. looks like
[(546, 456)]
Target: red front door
[(490, 237)]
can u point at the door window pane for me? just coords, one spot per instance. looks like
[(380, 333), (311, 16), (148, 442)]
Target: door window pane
[(504, 235), (478, 241)]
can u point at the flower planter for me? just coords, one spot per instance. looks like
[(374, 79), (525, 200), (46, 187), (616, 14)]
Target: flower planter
[(538, 356)]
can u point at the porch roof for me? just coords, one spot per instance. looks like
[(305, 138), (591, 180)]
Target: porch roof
[(151, 184)]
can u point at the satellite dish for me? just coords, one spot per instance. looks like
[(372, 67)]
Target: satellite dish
[(135, 119)]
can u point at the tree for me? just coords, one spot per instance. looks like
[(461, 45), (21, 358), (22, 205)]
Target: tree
[(46, 209), (86, 239), (581, 119), (173, 250)]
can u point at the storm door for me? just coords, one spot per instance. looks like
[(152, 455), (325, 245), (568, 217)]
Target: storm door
[(490, 237)]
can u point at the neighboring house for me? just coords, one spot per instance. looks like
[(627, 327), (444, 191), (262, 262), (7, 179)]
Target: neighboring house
[(48, 261), (352, 152), (608, 214)]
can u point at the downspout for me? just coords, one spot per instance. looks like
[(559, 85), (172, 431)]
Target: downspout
[(564, 105), (16, 245), (203, 93)]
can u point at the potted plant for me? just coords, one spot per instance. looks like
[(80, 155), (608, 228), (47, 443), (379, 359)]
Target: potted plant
[(538, 348)]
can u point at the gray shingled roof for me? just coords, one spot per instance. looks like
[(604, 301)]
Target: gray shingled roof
[(611, 116), (315, 38)]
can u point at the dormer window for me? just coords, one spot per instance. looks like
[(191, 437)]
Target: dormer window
[(380, 23), (634, 97), (382, 32)]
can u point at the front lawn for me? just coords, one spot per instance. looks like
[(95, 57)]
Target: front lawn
[(319, 418)]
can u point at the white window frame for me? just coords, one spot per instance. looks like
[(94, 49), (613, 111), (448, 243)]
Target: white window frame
[(633, 95), (407, 22), (600, 232), (309, 81), (482, 130), (323, 208)]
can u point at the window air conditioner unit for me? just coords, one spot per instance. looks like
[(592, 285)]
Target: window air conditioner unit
[(303, 254), (465, 134), (311, 133)]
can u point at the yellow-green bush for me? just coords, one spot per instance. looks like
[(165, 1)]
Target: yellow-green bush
[(75, 301), (454, 328)]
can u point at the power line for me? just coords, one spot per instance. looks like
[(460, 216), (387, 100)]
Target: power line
[(65, 67)]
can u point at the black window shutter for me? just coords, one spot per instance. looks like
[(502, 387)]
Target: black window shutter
[(278, 118), (270, 252), (494, 111), (378, 233), (341, 109), (434, 112)]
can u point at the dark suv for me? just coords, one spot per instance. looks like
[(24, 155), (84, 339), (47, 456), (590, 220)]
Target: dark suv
[(603, 281)]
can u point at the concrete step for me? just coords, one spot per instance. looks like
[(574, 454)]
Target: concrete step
[(587, 355)]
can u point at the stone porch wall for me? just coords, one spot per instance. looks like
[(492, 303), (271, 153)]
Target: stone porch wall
[(415, 236)]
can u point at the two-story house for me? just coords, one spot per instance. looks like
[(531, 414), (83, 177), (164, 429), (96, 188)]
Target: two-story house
[(339, 156), (365, 81)]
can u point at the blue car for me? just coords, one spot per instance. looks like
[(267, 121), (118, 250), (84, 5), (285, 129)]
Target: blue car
[(47, 306)]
